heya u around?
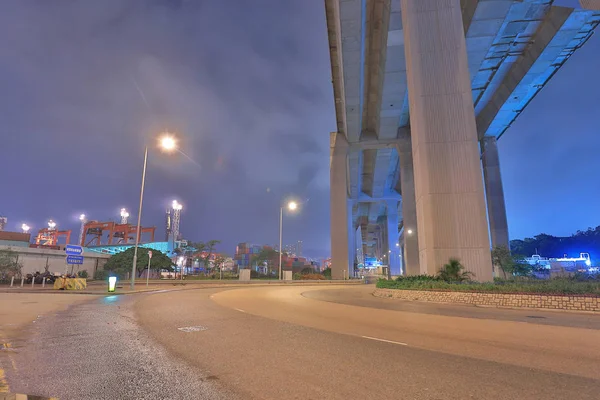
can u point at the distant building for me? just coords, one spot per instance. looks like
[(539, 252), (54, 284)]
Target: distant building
[(3, 221), (299, 248)]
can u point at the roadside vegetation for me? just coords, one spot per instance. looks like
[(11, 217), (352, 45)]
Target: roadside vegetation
[(9, 265), (453, 277)]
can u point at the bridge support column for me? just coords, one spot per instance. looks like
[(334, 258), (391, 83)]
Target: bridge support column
[(341, 218), (494, 192), (410, 248), (448, 186), (393, 245)]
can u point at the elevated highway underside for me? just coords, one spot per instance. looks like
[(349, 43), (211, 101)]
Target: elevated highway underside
[(406, 165)]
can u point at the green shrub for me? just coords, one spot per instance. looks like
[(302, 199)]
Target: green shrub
[(327, 273), (564, 286), (82, 274), (101, 275), (454, 272), (309, 277), (417, 278)]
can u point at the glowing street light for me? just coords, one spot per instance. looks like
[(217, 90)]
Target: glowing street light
[(51, 224), (25, 228), (167, 143), (292, 206), (409, 232), (82, 217)]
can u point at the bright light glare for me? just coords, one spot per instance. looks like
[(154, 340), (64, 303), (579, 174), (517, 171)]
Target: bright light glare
[(25, 228), (177, 205), (82, 217), (124, 213), (410, 231), (168, 143), (51, 224), (112, 283), (588, 262), (292, 205), (397, 244)]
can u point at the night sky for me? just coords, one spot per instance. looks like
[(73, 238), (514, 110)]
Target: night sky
[(246, 87)]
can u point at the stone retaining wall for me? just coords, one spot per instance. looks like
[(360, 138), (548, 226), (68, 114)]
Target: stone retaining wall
[(556, 302)]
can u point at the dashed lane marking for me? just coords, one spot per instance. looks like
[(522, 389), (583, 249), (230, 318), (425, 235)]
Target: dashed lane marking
[(239, 309), (384, 340)]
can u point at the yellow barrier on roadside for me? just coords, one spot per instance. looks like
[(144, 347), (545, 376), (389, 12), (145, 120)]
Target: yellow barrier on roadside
[(70, 283)]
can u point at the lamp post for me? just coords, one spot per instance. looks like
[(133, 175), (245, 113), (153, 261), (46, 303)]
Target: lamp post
[(292, 206), (167, 143), (25, 228)]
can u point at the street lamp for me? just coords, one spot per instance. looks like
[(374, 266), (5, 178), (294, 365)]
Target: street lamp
[(51, 225), (409, 231), (292, 206), (25, 228), (167, 143)]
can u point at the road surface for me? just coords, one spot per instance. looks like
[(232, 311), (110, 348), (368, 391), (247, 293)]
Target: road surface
[(289, 342)]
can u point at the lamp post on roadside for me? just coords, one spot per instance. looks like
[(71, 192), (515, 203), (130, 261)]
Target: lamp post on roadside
[(168, 144), (292, 206)]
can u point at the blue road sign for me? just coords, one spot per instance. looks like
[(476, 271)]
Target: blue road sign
[(73, 250), (74, 259)]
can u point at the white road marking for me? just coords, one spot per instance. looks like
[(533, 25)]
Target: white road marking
[(188, 329), (239, 309), (383, 340)]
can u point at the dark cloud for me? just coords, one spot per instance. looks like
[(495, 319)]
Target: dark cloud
[(86, 84)]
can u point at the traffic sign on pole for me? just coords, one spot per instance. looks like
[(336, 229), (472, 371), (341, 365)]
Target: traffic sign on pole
[(73, 250), (149, 253), (74, 259)]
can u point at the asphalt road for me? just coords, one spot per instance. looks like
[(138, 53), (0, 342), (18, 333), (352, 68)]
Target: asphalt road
[(306, 343)]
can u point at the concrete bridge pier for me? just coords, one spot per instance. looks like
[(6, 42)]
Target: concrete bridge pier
[(494, 192), (394, 260), (341, 209), (410, 247), (448, 186)]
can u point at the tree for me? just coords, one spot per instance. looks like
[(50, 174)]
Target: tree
[(454, 272), (501, 258), (120, 263), (266, 255), (210, 248), (519, 267), (219, 262), (9, 264)]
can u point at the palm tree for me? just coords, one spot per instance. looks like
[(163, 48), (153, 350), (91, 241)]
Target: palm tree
[(210, 247), (454, 272)]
